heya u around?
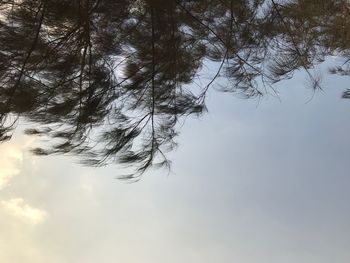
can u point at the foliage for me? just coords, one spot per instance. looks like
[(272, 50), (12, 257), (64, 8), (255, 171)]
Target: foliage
[(110, 79)]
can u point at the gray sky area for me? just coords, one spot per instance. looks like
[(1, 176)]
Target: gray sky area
[(252, 182)]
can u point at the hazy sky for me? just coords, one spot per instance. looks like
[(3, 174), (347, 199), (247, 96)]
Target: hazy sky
[(251, 182)]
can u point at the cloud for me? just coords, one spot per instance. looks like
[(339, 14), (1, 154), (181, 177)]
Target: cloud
[(19, 208), (10, 159)]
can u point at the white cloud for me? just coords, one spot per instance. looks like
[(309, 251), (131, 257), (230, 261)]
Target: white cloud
[(10, 159), (19, 208)]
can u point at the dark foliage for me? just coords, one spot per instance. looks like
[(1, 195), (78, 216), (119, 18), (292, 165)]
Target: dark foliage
[(109, 79)]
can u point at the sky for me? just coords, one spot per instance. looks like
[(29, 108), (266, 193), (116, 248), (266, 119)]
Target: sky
[(251, 182)]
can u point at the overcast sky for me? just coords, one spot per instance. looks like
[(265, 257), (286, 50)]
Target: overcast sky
[(251, 182)]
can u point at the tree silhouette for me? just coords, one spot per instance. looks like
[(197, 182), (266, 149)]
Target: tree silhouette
[(109, 80)]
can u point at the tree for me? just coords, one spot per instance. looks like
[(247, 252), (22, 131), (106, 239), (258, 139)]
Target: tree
[(109, 80)]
